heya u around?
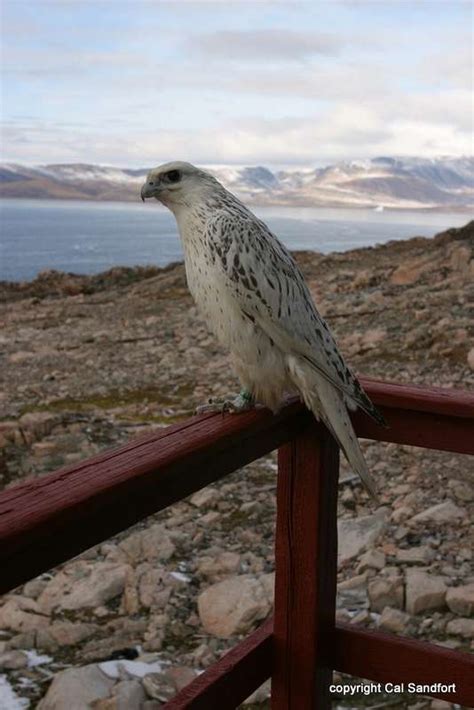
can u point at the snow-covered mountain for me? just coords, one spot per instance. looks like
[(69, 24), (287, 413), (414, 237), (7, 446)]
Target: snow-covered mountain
[(409, 183)]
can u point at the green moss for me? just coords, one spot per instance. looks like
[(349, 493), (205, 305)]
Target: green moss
[(164, 419), (116, 399)]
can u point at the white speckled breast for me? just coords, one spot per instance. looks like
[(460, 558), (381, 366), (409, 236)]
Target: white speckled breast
[(260, 366)]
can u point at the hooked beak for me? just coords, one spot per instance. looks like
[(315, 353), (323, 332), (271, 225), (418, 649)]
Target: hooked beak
[(149, 189)]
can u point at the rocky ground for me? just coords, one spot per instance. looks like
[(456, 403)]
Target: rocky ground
[(88, 362)]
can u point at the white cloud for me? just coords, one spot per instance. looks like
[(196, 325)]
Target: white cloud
[(311, 91), (340, 130), (451, 66)]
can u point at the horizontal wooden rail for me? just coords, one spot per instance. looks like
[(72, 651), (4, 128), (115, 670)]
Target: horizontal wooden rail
[(229, 681), (48, 520), (420, 398), (441, 432), (430, 417), (390, 659), (376, 656)]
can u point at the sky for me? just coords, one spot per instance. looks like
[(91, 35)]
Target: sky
[(139, 82)]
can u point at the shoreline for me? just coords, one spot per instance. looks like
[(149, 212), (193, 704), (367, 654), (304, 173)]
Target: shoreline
[(141, 271), (435, 209)]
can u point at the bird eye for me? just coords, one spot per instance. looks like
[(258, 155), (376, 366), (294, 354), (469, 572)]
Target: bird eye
[(173, 176)]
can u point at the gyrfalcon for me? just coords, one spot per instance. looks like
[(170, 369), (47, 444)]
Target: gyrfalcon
[(255, 300)]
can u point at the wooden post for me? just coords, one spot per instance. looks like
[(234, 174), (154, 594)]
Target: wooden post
[(306, 569)]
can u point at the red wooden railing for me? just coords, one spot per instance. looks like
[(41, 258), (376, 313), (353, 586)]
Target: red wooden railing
[(49, 520)]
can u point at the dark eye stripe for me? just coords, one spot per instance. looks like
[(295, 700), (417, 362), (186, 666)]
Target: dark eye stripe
[(173, 175)]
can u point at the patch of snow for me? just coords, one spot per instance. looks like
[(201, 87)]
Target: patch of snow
[(180, 576), (449, 178), (137, 669), (26, 683), (89, 172), (361, 164), (9, 700), (35, 659)]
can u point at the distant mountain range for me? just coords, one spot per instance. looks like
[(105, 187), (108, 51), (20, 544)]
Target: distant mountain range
[(403, 183)]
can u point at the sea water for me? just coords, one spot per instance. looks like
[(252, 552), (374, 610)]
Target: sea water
[(89, 237)]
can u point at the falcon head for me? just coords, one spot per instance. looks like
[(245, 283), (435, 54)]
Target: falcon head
[(173, 183)]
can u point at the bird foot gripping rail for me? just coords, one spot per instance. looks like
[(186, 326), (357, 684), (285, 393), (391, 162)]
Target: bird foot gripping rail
[(49, 520)]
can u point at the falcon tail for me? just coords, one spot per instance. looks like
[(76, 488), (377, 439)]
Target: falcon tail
[(327, 404)]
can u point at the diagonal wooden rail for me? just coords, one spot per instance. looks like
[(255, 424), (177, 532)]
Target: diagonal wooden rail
[(47, 521)]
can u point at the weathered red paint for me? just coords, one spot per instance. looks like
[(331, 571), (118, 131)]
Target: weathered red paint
[(229, 681), (419, 398), (306, 571), (47, 521), (390, 659)]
